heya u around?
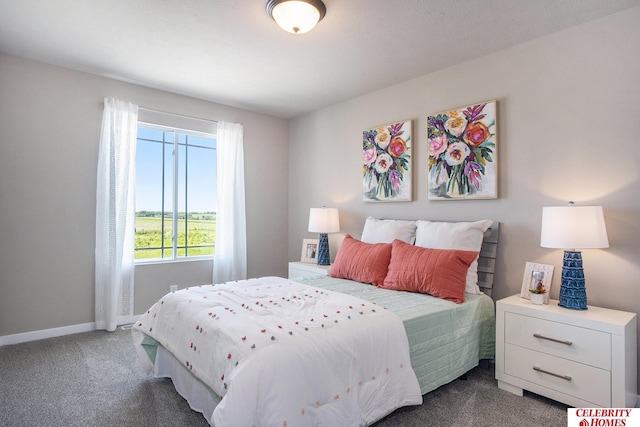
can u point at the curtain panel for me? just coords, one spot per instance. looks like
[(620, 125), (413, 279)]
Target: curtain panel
[(230, 257), (115, 215)]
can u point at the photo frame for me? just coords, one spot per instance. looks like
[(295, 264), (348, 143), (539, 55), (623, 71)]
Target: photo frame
[(533, 274), (462, 145), (309, 251), (386, 155)]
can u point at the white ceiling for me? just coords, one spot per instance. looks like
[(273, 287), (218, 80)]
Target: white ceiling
[(231, 52)]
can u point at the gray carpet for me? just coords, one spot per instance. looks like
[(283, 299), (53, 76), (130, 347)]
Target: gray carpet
[(94, 379)]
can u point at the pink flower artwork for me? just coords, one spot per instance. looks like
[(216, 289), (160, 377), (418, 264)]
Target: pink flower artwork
[(462, 145), (386, 166)]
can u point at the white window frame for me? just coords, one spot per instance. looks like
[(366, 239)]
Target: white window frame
[(185, 125)]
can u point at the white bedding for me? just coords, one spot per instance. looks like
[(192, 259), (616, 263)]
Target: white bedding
[(282, 353)]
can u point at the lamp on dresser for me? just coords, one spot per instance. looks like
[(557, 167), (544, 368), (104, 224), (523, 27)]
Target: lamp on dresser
[(571, 228), (324, 220)]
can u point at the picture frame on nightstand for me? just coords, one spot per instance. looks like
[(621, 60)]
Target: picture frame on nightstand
[(309, 250), (534, 275)]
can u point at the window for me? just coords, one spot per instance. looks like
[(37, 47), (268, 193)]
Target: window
[(175, 193)]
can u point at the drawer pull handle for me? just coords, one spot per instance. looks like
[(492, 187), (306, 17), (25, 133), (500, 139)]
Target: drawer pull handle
[(553, 339), (564, 377)]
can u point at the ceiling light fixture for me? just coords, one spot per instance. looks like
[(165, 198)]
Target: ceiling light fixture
[(296, 16)]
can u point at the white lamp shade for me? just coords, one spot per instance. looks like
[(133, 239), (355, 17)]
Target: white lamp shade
[(573, 227), (324, 220), (296, 17)]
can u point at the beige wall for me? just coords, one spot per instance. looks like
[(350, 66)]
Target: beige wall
[(568, 130), (49, 134)]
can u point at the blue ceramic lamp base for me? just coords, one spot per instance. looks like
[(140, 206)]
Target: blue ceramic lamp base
[(573, 294), (323, 250)]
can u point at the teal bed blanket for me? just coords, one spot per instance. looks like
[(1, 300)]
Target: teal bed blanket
[(446, 339)]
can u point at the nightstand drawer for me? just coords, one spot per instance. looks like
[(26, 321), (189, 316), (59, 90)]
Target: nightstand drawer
[(565, 376), (558, 339), (601, 358)]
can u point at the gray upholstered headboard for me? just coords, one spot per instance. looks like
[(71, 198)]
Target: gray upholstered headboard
[(487, 258)]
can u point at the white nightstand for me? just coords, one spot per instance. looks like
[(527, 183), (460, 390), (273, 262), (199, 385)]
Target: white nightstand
[(305, 269), (581, 358)]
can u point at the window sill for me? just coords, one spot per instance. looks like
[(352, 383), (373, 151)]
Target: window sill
[(171, 261)]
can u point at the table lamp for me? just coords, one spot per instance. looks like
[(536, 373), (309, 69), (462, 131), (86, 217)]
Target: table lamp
[(323, 221), (570, 228)]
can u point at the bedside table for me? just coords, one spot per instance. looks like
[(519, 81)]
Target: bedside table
[(580, 358), (305, 269)]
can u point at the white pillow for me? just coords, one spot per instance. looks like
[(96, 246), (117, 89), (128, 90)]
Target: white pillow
[(465, 236), (387, 230)]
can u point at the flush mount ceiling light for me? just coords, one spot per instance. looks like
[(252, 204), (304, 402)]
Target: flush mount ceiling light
[(296, 16)]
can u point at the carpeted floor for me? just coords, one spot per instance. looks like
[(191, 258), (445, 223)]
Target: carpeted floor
[(94, 379)]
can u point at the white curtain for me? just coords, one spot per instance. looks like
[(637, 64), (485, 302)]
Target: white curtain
[(230, 259), (115, 215)]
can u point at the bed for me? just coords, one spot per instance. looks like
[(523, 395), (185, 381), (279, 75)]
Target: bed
[(333, 350)]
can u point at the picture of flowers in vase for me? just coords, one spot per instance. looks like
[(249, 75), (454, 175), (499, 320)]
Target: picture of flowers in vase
[(462, 147), (386, 166)]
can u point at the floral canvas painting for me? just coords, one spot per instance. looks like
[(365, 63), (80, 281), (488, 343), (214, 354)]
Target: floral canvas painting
[(462, 153), (387, 163)]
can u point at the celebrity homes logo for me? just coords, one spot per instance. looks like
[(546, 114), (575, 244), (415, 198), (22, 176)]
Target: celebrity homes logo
[(602, 417)]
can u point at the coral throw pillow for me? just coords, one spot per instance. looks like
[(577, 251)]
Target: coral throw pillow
[(362, 262), (466, 236), (438, 272)]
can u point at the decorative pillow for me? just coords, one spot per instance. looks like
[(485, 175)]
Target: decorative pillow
[(438, 272), (466, 236), (362, 262), (387, 230)]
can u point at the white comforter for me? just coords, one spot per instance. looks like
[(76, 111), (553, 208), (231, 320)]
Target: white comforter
[(281, 353)]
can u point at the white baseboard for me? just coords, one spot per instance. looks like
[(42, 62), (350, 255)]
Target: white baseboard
[(46, 333), (51, 333)]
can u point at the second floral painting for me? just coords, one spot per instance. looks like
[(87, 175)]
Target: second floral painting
[(387, 163), (462, 153)]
